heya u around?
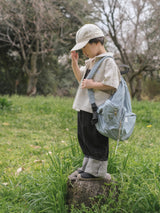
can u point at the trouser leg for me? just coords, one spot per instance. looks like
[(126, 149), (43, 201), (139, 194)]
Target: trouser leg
[(96, 167), (94, 146), (84, 164), (92, 143)]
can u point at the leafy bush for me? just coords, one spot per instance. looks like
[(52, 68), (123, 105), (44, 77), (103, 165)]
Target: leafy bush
[(5, 104)]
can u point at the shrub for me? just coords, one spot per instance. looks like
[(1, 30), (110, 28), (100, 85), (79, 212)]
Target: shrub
[(5, 104)]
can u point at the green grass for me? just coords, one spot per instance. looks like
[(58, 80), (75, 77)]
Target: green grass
[(38, 135)]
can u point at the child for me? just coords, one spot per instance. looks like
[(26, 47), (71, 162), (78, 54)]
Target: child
[(95, 146)]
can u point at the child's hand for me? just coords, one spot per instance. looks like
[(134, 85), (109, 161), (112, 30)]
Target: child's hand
[(87, 83), (74, 56)]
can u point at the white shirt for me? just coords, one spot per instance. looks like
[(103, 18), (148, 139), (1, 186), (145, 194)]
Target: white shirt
[(108, 74)]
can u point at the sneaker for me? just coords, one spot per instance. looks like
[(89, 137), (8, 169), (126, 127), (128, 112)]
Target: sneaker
[(80, 171), (77, 172), (87, 176), (74, 175)]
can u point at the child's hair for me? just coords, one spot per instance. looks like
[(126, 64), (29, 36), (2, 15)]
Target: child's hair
[(96, 40)]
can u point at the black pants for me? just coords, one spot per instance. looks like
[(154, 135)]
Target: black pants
[(92, 143)]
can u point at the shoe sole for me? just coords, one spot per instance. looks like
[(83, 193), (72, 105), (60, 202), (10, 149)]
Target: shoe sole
[(75, 174)]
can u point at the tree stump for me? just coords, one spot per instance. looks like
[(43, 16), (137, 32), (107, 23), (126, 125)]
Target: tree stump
[(90, 192)]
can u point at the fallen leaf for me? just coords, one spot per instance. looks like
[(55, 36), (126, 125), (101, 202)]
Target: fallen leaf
[(9, 143), (39, 161), (19, 170), (64, 142), (5, 124), (49, 153), (35, 147), (5, 184)]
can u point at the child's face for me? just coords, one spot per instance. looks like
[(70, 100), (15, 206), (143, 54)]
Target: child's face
[(90, 50)]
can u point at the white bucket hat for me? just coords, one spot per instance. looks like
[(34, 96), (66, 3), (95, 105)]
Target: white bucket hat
[(86, 33)]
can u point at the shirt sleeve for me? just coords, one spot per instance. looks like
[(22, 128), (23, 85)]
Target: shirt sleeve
[(111, 74)]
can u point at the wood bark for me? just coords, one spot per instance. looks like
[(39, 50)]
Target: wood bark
[(91, 192)]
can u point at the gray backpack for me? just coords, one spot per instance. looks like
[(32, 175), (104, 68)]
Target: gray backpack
[(114, 118)]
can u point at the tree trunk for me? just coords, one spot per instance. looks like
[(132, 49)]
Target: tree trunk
[(138, 87), (91, 192), (32, 75), (132, 88), (32, 84)]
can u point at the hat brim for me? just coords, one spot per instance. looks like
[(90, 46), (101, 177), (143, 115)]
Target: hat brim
[(79, 45)]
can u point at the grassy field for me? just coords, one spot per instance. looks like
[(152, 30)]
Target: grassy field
[(39, 149)]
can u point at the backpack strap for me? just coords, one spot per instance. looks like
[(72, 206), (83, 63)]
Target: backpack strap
[(91, 74)]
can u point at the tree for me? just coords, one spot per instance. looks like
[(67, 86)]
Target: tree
[(151, 28), (124, 21), (27, 26), (10, 65), (37, 28)]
